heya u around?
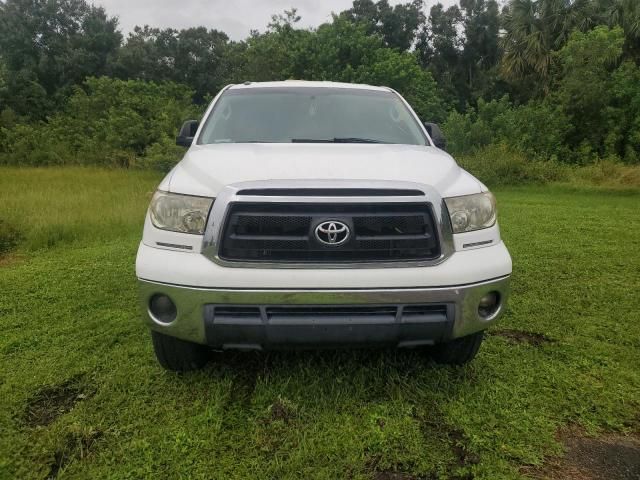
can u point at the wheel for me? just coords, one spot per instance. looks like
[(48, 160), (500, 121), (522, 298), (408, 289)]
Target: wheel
[(178, 355), (459, 351)]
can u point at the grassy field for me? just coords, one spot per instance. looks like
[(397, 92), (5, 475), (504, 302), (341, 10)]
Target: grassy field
[(83, 397)]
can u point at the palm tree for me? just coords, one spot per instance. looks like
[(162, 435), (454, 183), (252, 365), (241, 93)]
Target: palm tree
[(625, 13), (533, 29)]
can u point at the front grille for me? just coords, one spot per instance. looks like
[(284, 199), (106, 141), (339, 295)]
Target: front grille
[(285, 232)]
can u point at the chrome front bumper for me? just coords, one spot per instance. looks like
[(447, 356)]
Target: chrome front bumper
[(195, 323)]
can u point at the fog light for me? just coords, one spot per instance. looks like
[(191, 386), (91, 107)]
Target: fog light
[(489, 305), (162, 308)]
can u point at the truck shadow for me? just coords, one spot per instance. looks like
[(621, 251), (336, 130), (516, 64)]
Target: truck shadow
[(276, 396), (371, 373)]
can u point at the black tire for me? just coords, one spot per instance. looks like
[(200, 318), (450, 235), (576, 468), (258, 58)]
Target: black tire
[(459, 351), (178, 355)]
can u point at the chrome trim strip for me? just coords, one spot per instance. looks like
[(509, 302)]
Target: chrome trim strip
[(189, 324), (352, 289), (175, 245), (229, 194), (477, 244)]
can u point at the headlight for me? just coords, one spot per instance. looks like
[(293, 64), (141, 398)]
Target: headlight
[(179, 213), (472, 212)]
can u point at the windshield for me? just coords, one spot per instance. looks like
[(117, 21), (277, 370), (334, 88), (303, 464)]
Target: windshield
[(307, 114)]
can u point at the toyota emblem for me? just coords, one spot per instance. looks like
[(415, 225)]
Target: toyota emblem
[(332, 232)]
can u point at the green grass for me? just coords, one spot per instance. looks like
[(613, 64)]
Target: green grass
[(73, 204), (71, 330)]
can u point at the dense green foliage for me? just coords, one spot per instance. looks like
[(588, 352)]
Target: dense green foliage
[(194, 57), (558, 84), (592, 112), (83, 396), (47, 47), (536, 129), (106, 122)]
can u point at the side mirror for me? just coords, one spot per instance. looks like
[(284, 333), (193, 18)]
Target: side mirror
[(187, 132), (436, 135)]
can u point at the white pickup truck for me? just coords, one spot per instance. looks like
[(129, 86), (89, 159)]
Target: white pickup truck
[(312, 214)]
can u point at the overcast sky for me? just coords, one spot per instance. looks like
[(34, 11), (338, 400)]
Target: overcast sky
[(235, 17)]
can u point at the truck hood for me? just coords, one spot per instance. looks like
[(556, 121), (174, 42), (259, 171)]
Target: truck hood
[(206, 169)]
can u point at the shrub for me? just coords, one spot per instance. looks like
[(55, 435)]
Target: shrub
[(477, 127), (162, 155), (35, 144), (537, 129), (465, 133), (499, 164), (610, 172)]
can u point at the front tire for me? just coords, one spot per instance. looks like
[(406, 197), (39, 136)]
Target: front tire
[(459, 351), (178, 355)]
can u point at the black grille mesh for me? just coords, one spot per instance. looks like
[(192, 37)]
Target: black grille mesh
[(389, 225), (284, 232)]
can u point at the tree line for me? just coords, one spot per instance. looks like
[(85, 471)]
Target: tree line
[(551, 79)]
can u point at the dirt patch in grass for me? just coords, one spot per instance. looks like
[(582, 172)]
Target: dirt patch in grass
[(52, 402), (455, 438), (282, 410), (77, 445), (610, 456), (11, 259), (459, 444), (520, 336), (393, 476), (10, 237), (273, 427)]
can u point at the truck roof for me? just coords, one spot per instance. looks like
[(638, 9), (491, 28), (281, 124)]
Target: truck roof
[(306, 83)]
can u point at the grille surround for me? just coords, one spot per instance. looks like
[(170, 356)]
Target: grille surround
[(332, 192), (283, 233)]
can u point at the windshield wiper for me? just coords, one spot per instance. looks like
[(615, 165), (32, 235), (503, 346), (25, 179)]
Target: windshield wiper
[(356, 140), (336, 140)]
